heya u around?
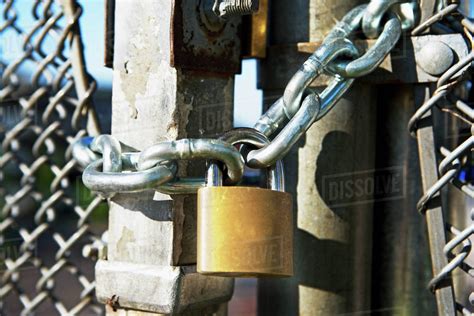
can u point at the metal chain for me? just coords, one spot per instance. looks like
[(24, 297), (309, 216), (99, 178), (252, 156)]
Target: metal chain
[(36, 168), (337, 56)]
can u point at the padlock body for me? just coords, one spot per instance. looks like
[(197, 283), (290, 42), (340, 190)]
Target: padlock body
[(244, 232)]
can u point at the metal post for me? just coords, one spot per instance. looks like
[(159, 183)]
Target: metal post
[(434, 213), (400, 274), (152, 237), (333, 235)]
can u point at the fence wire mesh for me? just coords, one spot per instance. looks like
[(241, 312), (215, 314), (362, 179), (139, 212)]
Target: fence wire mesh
[(45, 105), (446, 156)]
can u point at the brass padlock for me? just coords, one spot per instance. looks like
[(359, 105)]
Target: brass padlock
[(245, 231)]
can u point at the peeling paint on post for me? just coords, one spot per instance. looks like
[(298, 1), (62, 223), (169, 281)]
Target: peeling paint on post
[(151, 235)]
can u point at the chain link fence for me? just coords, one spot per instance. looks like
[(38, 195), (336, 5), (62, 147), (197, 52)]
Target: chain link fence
[(443, 125), (45, 105)]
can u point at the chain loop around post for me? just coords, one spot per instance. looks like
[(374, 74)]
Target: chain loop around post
[(109, 183), (154, 168), (195, 149)]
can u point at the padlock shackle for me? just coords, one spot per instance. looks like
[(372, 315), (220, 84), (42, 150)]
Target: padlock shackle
[(249, 136)]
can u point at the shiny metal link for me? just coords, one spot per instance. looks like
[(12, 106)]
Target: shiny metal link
[(181, 185), (109, 183), (314, 107), (82, 153), (374, 55), (407, 13), (248, 136), (152, 169), (111, 152), (311, 69), (334, 45), (194, 149), (272, 119), (376, 9)]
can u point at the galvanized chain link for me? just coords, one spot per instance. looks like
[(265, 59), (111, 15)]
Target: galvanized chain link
[(301, 110), (44, 216), (456, 163)]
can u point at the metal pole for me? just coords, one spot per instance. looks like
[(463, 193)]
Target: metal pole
[(434, 213), (333, 225), (399, 272), (151, 256)]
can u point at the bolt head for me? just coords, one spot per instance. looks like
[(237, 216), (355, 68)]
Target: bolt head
[(435, 58)]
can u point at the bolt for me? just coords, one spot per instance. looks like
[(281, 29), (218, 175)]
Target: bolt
[(88, 251), (435, 58), (228, 8), (213, 13)]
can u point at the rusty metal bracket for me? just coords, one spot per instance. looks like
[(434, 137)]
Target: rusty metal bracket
[(199, 43)]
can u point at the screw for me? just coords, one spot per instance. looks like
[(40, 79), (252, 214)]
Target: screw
[(226, 8), (213, 13), (435, 58)]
